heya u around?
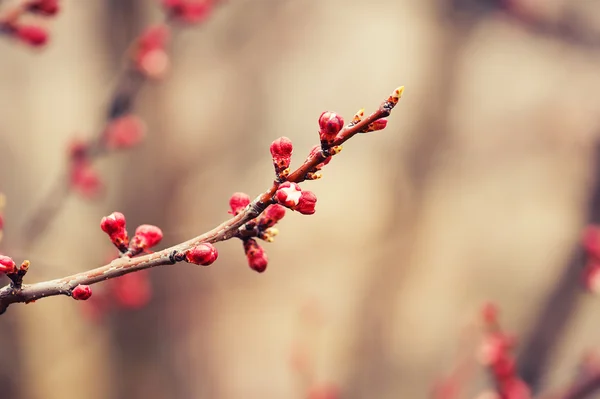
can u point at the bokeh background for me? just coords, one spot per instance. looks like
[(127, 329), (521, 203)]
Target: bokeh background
[(477, 190)]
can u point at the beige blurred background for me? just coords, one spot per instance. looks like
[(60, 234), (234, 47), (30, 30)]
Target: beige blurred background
[(476, 191)]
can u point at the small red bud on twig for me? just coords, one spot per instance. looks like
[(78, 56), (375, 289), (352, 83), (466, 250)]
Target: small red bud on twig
[(273, 214), (281, 151), (204, 254), (307, 202), (330, 125), (379, 124), (82, 292), (257, 258), (238, 202), (288, 194), (146, 236), (7, 265), (114, 226)]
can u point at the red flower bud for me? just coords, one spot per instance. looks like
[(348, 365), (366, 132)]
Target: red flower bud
[(257, 258), (150, 56), (330, 125), (114, 226), (133, 290), (82, 292), (273, 214), (7, 265), (288, 194), (203, 254), (31, 34), (379, 124), (281, 151), (307, 202), (125, 132), (238, 202), (188, 11), (146, 236), (45, 7)]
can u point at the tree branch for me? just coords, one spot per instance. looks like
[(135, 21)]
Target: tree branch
[(23, 293)]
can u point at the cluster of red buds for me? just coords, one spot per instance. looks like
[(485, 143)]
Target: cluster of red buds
[(146, 235), (495, 353), (591, 271), (31, 34), (251, 221), (262, 227), (188, 11)]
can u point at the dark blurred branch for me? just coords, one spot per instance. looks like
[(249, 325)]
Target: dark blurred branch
[(557, 310), (580, 389), (128, 86), (568, 27)]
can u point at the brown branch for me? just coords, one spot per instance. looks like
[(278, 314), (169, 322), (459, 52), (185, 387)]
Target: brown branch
[(558, 307), (23, 293)]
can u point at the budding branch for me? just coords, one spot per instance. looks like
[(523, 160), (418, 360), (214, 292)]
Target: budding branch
[(16, 292)]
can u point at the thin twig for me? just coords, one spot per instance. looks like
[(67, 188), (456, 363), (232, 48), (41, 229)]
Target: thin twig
[(169, 256)]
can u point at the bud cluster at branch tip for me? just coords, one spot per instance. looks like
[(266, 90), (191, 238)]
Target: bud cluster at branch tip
[(82, 292), (203, 254), (281, 151)]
